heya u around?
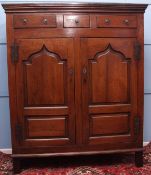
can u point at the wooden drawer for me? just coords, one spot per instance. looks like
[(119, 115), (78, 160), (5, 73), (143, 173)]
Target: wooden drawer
[(76, 21), (116, 21), (29, 21)]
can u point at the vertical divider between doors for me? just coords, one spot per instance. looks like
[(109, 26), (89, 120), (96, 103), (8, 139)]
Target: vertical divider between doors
[(78, 100)]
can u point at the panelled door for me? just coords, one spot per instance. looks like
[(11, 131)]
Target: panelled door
[(45, 92), (109, 90)]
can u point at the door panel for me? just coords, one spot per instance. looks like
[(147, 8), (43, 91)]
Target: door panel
[(109, 90), (105, 68), (109, 124), (36, 70), (45, 92), (45, 127)]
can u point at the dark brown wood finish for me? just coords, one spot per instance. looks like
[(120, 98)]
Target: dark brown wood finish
[(45, 81), (34, 21), (105, 61), (116, 21), (75, 79)]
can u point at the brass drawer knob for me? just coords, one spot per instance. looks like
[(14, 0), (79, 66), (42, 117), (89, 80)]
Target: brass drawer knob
[(76, 21), (126, 21), (107, 21), (45, 21), (24, 21)]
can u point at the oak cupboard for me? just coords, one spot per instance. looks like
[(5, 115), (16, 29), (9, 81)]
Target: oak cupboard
[(75, 79)]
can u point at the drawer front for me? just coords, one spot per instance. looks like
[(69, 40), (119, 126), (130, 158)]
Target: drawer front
[(116, 21), (76, 21), (29, 21)]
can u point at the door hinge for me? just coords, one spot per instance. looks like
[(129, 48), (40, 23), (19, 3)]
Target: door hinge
[(136, 125), (14, 53), (137, 50), (19, 132)]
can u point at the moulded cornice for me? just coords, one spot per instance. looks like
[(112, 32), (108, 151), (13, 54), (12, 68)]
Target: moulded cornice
[(74, 7)]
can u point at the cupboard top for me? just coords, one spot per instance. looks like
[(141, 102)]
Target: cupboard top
[(75, 7)]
